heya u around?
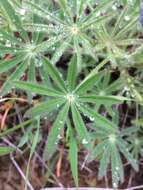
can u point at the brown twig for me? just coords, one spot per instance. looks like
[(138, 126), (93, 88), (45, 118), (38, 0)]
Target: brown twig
[(59, 163)]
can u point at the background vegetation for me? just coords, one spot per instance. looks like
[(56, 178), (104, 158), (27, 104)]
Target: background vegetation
[(71, 88)]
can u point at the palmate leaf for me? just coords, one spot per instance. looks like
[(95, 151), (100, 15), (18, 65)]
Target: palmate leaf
[(108, 150), (70, 29), (109, 37), (52, 139), (24, 57)]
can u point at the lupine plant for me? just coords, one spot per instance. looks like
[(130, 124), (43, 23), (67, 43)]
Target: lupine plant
[(81, 60)]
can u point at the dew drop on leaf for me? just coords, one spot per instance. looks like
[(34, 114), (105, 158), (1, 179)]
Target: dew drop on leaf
[(84, 141)]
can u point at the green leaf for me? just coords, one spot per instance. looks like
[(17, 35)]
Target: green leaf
[(128, 27), (65, 8), (41, 12), (5, 150), (128, 155), (88, 83), (36, 88), (7, 36), (93, 18), (119, 20), (36, 138), (45, 107), (8, 64), (9, 131), (72, 73), (31, 70), (117, 166), (46, 45), (12, 16), (10, 50), (31, 76), (14, 76), (78, 53), (80, 127), (97, 118), (55, 75), (97, 150), (79, 8), (104, 100), (104, 162), (52, 139), (73, 156), (60, 50)]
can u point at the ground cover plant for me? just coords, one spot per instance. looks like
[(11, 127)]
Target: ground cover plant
[(71, 92)]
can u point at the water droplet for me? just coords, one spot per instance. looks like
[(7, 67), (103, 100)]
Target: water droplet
[(114, 7), (84, 141), (127, 18), (22, 11), (98, 13), (117, 168), (115, 185), (59, 136), (91, 118), (58, 105)]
